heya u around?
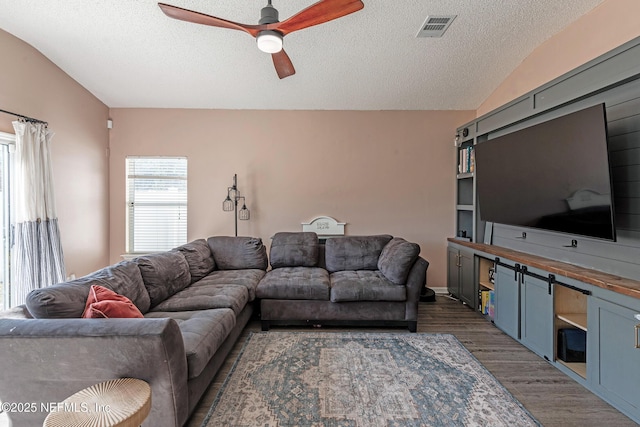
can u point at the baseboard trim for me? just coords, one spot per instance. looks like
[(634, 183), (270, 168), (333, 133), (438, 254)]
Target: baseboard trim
[(440, 290)]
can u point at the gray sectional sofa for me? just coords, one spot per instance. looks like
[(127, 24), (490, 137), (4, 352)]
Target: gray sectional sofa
[(351, 280), (196, 299)]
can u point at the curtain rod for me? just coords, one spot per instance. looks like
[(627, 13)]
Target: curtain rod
[(27, 118)]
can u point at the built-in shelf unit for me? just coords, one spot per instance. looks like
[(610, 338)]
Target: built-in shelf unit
[(595, 291)]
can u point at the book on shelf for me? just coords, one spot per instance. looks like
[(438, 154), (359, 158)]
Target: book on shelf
[(467, 160), (484, 302), (491, 304)]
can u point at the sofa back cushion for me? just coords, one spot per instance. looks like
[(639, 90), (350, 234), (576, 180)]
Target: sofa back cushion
[(68, 299), (397, 258), (199, 258), (299, 249), (238, 253), (164, 274), (354, 252)]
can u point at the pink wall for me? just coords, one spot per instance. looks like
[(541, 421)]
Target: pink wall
[(378, 171), (32, 85), (608, 26)]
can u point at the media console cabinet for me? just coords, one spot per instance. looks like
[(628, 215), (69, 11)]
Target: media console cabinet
[(535, 297)]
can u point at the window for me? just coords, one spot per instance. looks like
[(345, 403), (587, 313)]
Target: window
[(7, 144), (156, 203)]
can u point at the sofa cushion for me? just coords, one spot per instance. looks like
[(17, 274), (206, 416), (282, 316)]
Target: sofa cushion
[(236, 253), (164, 274), (295, 283), (103, 303), (294, 250), (68, 299), (203, 332), (247, 278), (364, 285), (397, 258), (206, 297), (199, 258), (354, 252)]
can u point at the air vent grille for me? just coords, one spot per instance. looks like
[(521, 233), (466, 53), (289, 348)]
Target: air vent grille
[(435, 25), (435, 20), (438, 27)]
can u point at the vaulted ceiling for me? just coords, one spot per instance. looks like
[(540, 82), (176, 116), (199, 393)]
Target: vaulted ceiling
[(129, 54)]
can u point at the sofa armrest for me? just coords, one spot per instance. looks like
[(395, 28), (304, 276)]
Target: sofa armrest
[(44, 361), (415, 282)]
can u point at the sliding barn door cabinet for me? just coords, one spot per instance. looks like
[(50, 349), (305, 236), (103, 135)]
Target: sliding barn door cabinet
[(586, 325)]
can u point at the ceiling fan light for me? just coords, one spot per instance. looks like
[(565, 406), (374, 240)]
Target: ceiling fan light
[(269, 41)]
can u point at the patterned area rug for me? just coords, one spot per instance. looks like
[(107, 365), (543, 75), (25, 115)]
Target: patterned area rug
[(314, 379)]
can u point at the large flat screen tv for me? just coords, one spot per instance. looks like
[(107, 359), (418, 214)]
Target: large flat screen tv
[(554, 176)]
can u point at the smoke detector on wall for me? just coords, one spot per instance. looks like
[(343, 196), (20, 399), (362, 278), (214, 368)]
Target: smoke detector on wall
[(435, 25)]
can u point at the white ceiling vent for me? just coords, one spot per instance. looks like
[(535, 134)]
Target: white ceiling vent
[(435, 25)]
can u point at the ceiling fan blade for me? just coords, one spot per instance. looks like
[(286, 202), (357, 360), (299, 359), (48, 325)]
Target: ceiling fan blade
[(318, 13), (200, 18), (284, 66)]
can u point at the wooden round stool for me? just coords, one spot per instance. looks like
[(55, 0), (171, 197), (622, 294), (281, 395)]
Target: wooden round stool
[(124, 402)]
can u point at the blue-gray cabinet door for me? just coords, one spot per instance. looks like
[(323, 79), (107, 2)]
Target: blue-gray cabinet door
[(507, 300), (460, 275), (613, 361), (468, 289), (536, 315), (453, 271)]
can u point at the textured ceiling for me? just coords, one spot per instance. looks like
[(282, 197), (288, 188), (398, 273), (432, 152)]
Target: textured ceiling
[(129, 54)]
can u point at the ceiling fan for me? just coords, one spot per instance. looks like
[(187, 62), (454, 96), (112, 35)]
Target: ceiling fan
[(269, 32)]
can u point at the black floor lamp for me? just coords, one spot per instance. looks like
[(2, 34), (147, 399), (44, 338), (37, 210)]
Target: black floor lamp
[(231, 203)]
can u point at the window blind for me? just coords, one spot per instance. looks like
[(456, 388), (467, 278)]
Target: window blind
[(156, 203)]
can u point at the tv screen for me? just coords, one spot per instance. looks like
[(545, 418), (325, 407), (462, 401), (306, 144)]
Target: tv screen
[(553, 175)]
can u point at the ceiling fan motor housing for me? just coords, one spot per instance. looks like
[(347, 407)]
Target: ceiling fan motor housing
[(269, 41), (268, 15)]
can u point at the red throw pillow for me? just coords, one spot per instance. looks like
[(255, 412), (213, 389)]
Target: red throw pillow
[(103, 303)]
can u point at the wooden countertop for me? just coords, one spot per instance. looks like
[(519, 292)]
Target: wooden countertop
[(600, 279)]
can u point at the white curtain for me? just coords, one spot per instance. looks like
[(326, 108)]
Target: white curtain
[(37, 259)]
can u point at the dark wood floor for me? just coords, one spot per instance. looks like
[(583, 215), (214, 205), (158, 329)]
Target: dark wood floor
[(549, 395)]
